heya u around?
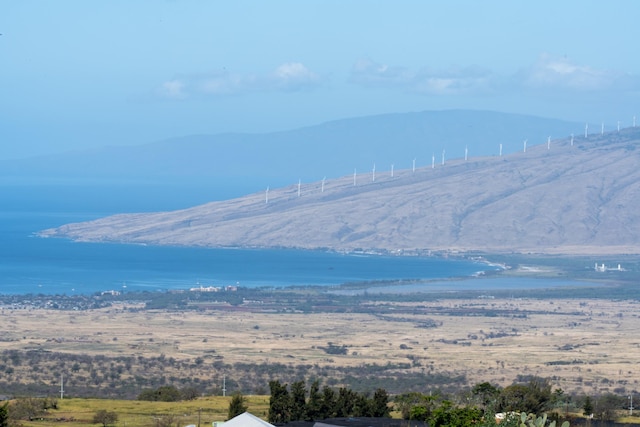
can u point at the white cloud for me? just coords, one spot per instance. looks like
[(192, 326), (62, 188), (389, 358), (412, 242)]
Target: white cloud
[(468, 80), (223, 83), (292, 76), (172, 89), (295, 76), (369, 73), (547, 75), (561, 73)]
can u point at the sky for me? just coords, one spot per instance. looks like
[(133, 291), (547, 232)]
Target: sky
[(77, 74)]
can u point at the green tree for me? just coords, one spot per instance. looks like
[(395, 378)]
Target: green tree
[(279, 403), (587, 408), (607, 406), (450, 416), (328, 402), (415, 406), (148, 395), (345, 402), (315, 402), (486, 393), (27, 408), (237, 405), (167, 393), (405, 403), (533, 397), (363, 406), (298, 401), (380, 404), (189, 393), (4, 415), (105, 417)]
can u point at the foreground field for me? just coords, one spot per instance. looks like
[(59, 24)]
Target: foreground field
[(587, 346), (203, 411)]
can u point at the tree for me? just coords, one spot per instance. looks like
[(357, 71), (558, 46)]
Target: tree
[(328, 403), (406, 402), (345, 403), (451, 416), (587, 408), (237, 405), (607, 406), (27, 408), (380, 404), (298, 401), (105, 417), (167, 393), (315, 402), (279, 403), (363, 406), (4, 415), (486, 392), (415, 406), (534, 397), (189, 393)]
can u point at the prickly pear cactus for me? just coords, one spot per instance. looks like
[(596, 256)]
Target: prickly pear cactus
[(530, 420)]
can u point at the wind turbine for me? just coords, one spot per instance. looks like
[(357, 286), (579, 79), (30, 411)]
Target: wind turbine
[(266, 196), (443, 157), (373, 173), (524, 150), (299, 187), (618, 125), (322, 188), (354, 177), (586, 130), (466, 152), (572, 140), (391, 170), (602, 129), (500, 150), (414, 165), (433, 161), (549, 143)]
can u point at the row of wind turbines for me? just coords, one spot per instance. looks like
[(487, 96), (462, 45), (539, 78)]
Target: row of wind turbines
[(442, 161)]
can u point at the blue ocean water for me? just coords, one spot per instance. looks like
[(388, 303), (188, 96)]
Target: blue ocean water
[(30, 264)]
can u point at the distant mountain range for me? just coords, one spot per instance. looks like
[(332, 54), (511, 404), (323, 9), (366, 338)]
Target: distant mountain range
[(329, 150), (574, 195)]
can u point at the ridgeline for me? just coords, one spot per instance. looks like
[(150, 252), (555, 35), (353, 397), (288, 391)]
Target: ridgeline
[(571, 196)]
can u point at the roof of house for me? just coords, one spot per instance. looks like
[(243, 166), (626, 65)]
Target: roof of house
[(246, 420), (355, 422)]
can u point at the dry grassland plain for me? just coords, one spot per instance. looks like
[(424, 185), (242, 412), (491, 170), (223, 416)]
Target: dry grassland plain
[(588, 346)]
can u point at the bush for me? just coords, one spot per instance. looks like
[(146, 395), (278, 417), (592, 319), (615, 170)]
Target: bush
[(105, 417)]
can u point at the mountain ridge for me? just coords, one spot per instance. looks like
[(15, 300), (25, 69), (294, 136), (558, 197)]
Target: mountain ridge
[(579, 198), (329, 149)]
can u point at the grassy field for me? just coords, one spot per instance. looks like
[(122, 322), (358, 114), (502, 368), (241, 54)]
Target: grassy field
[(585, 346), (80, 412)]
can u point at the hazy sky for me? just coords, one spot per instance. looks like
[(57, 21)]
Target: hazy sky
[(80, 74)]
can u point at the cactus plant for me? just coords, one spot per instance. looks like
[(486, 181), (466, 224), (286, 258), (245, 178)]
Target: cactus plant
[(531, 420)]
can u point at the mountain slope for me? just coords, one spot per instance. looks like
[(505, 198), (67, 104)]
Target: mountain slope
[(331, 149), (581, 198)]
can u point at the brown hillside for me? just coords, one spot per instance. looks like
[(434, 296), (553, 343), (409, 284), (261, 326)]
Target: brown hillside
[(576, 199)]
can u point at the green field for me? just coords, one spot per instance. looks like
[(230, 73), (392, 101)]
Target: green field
[(135, 413)]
